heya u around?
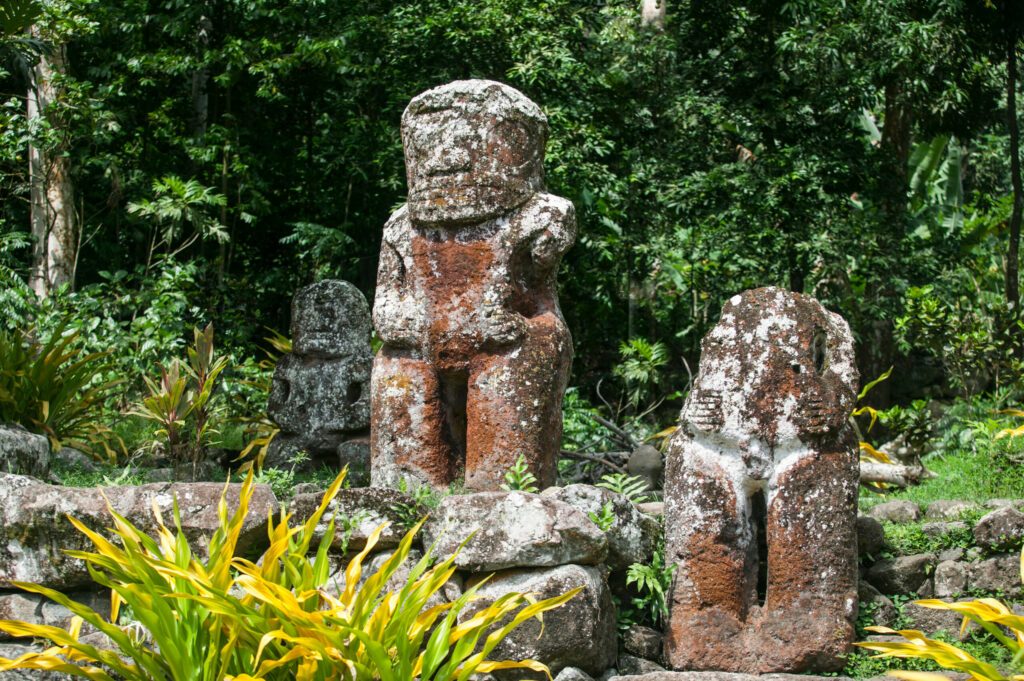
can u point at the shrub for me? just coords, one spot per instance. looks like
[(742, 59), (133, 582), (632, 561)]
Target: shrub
[(54, 389), (286, 623), (993, 616), (181, 402)]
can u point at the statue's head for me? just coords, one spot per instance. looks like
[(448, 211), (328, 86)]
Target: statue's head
[(776, 357), (474, 150)]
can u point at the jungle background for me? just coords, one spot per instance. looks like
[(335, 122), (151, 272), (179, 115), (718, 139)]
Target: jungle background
[(166, 165)]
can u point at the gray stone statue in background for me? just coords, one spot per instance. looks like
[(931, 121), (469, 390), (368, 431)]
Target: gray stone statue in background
[(476, 354), (320, 394), (761, 493)]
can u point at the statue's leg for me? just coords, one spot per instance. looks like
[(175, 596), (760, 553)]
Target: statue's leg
[(514, 406), (810, 610), (407, 426), (708, 536)]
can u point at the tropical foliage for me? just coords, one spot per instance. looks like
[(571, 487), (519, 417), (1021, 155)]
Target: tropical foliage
[(178, 615)]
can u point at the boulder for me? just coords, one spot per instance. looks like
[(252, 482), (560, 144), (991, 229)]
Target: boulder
[(1003, 503), (652, 508), (933, 620), (68, 457), (950, 578), (939, 529), (358, 512), (23, 453), (646, 463), (949, 509), (579, 634), (632, 536), (883, 610), (573, 674), (12, 650), (997, 574), (1000, 530), (955, 553), (643, 642), (36, 532), (448, 593), (35, 609), (513, 529), (870, 536), (630, 665), (726, 676), (896, 512), (901, 575)]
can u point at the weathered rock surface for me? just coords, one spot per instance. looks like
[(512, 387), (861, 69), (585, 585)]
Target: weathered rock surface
[(1001, 529), (330, 318), (361, 510), (901, 575), (579, 634), (996, 574), (476, 354), (883, 610), (13, 650), (870, 536), (23, 453), (646, 463), (631, 665), (573, 674), (950, 578), (949, 509), (34, 609), (933, 620), (320, 393), (72, 458), (727, 676), (898, 511), (35, 531), (768, 411), (448, 593), (652, 508), (643, 642), (514, 529), (943, 527), (632, 536)]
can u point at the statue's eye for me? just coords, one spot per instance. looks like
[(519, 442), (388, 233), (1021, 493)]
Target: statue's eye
[(819, 349)]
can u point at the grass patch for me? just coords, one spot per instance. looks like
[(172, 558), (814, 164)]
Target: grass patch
[(906, 539), (989, 472)]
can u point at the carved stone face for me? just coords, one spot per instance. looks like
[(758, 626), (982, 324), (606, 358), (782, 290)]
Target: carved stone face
[(474, 150)]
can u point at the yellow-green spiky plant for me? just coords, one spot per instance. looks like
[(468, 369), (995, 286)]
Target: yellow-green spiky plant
[(990, 614), (226, 617)]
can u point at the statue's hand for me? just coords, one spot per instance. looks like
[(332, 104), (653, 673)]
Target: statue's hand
[(816, 415), (704, 410), (503, 327)]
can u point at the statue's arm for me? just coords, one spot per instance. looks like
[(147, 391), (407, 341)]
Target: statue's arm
[(555, 231), (397, 314)]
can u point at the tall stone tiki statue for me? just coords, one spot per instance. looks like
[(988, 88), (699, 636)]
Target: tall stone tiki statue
[(476, 354), (761, 493)]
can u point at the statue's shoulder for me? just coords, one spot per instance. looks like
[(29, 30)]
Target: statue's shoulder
[(398, 227), (544, 210)]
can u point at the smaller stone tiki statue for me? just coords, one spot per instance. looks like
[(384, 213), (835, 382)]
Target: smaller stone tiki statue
[(320, 395), (761, 493), (476, 354)]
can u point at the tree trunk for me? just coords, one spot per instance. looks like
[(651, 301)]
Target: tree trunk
[(652, 13), (54, 224), (893, 474), (1013, 250)]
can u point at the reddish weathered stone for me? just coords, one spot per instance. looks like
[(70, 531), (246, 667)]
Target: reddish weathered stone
[(476, 354), (763, 472)]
